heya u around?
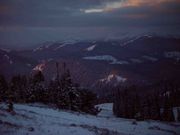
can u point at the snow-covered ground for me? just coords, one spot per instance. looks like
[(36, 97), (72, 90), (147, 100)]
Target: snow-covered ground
[(106, 110), (36, 119)]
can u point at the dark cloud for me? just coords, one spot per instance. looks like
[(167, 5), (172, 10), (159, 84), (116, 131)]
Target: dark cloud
[(38, 20)]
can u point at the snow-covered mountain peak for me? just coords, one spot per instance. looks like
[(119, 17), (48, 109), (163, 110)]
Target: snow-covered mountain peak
[(113, 78), (39, 67)]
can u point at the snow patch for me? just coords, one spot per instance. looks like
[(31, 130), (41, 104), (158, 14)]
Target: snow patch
[(120, 62), (150, 58), (108, 58), (8, 58), (136, 38), (43, 46), (29, 65), (6, 50), (148, 36), (59, 47), (131, 40), (50, 59), (173, 54), (38, 49), (102, 57), (70, 41), (91, 48), (10, 62), (93, 42), (134, 60), (65, 43)]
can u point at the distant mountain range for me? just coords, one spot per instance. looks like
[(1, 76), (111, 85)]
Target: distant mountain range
[(140, 60)]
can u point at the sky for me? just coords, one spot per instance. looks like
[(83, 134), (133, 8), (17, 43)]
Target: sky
[(27, 22)]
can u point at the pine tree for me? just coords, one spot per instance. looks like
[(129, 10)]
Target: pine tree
[(10, 105), (137, 109), (178, 114), (3, 88), (157, 107), (38, 77), (69, 93), (168, 114), (36, 89), (87, 101), (18, 87)]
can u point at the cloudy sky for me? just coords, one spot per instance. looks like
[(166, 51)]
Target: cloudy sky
[(34, 21)]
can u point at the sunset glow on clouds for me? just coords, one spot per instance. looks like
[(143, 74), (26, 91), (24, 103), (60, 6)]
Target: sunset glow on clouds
[(40, 20), (110, 6)]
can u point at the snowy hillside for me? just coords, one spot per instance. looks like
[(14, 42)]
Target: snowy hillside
[(38, 119)]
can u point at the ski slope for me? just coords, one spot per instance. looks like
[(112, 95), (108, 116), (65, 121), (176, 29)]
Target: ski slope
[(37, 119)]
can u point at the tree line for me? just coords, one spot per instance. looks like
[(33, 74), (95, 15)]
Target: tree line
[(159, 102), (61, 91)]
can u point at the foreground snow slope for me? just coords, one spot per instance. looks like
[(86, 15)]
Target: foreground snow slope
[(37, 119)]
